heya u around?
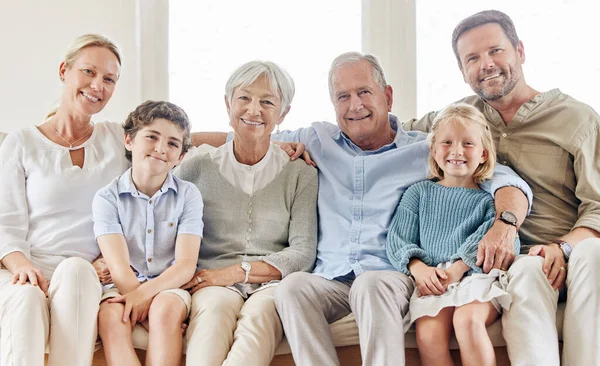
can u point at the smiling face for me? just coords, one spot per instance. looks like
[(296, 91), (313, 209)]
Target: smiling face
[(458, 151), (490, 64), (89, 82), (156, 148), (362, 105), (254, 111)]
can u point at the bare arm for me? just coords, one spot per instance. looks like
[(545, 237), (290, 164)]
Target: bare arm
[(115, 252), (187, 248), (261, 272), (215, 139)]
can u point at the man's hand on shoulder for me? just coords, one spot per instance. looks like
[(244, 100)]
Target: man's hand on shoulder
[(497, 247), (554, 263)]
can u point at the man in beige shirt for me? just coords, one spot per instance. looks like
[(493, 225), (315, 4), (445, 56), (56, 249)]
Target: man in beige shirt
[(553, 142)]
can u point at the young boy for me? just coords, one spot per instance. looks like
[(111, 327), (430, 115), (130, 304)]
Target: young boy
[(150, 221)]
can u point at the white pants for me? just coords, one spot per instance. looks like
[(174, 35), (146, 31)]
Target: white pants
[(225, 330), (529, 327), (66, 319)]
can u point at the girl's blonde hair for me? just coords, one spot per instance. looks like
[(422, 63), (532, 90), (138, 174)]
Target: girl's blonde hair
[(84, 41), (466, 115)]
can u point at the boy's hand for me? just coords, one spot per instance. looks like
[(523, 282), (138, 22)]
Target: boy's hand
[(428, 279), (32, 275), (137, 304)]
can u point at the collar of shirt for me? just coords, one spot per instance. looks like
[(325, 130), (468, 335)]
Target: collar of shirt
[(126, 185)]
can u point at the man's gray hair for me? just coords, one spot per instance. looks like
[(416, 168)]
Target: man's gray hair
[(279, 79), (482, 18), (355, 57)]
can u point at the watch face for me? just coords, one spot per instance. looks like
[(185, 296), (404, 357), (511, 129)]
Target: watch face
[(246, 266), (509, 216)]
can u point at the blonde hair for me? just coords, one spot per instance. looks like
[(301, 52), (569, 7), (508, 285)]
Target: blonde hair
[(466, 115), (81, 42)]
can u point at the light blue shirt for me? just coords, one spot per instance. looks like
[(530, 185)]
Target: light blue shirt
[(360, 190), (150, 225)]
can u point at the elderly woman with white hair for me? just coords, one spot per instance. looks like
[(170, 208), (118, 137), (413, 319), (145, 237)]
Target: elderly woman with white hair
[(260, 224)]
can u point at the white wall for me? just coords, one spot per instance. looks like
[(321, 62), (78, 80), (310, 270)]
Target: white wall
[(34, 36)]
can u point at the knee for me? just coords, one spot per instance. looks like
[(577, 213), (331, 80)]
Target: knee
[(586, 253), (525, 268), (74, 269), (467, 323), (292, 289), (381, 284), (27, 298), (430, 338), (109, 317), (167, 311)]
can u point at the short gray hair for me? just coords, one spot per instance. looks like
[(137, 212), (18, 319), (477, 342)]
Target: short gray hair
[(482, 18), (355, 57), (279, 79)]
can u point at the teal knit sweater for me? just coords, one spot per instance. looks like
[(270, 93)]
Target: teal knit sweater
[(438, 224)]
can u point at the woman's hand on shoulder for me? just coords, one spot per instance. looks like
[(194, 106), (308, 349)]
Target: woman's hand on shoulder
[(296, 150), (429, 279), (32, 275), (212, 277)]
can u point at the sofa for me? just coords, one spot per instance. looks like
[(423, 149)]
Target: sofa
[(345, 336)]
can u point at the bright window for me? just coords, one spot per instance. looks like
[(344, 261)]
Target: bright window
[(559, 37), (209, 39)]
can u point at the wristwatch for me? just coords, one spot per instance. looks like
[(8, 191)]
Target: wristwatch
[(508, 217), (565, 247), (246, 267)]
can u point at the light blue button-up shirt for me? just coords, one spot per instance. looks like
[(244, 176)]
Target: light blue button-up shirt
[(360, 190), (150, 225)]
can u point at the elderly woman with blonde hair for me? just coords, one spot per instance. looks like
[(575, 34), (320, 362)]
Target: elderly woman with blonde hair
[(49, 173), (260, 224)]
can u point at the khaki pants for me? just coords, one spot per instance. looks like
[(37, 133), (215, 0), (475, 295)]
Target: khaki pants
[(529, 328), (66, 319), (225, 330), (307, 303)]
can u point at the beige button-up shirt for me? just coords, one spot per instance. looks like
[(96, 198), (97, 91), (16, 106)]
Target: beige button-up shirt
[(553, 143)]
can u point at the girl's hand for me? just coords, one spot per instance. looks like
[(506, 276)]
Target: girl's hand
[(137, 305), (455, 273), (212, 277), (428, 280), (32, 275)]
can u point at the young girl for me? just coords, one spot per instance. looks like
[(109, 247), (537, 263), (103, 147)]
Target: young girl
[(150, 221), (434, 237)]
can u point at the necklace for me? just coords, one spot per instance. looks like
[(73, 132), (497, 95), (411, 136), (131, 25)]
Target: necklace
[(67, 141)]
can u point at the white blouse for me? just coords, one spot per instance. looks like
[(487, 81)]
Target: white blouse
[(46, 201)]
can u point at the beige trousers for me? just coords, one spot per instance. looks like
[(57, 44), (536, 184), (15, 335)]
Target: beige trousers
[(529, 328), (225, 330), (65, 320)]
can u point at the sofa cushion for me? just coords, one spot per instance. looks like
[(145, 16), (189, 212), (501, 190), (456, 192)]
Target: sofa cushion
[(345, 333), (2, 137)]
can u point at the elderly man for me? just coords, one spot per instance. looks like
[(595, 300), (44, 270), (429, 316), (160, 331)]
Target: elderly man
[(553, 142), (365, 164)]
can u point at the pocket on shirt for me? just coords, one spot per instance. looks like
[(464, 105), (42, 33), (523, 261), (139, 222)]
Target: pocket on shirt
[(167, 234), (544, 167)]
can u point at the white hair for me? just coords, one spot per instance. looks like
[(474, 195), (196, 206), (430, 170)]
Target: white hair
[(355, 57), (279, 79)]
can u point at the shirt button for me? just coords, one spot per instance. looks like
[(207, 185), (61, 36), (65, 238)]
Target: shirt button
[(504, 162), (249, 221), (149, 231), (504, 134), (249, 168), (150, 202), (249, 230), (149, 260), (171, 224)]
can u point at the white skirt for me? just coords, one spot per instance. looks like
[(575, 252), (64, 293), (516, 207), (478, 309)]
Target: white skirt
[(480, 287)]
